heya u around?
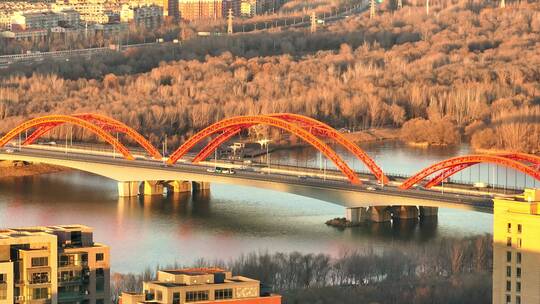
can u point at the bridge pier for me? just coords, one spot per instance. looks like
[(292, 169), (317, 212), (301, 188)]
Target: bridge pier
[(127, 189), (178, 186), (380, 214), (201, 186), (405, 213), (357, 215), (152, 188), (429, 212)]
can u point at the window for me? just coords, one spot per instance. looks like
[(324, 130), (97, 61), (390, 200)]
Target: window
[(221, 294), (508, 286), (509, 241), (100, 257), (518, 243), (159, 295), (67, 260), (40, 293), (100, 284), (518, 299), (518, 258), (509, 256), (518, 286), (508, 299), (100, 301), (176, 298), (40, 262), (508, 271), (520, 228), (40, 278), (196, 296), (3, 278), (100, 272), (518, 272), (509, 228)]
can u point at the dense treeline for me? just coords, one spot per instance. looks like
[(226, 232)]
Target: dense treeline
[(469, 70), (431, 273)]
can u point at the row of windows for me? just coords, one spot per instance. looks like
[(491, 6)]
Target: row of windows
[(519, 242), (509, 272), (509, 257), (40, 262), (40, 293), (509, 299), (196, 296), (519, 228), (221, 294), (509, 286), (40, 277)]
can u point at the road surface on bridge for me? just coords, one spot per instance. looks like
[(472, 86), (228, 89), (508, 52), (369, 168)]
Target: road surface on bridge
[(334, 191)]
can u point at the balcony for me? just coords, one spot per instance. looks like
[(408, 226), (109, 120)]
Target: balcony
[(38, 282), (71, 295), (78, 280)]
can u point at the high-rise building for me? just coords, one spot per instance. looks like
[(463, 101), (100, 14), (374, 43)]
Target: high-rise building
[(201, 285), (233, 5), (516, 249), (54, 264), (193, 10)]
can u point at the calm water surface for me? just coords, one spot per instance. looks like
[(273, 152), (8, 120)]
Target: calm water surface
[(225, 221)]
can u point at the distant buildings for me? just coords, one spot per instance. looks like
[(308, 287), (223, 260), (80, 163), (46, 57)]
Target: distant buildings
[(92, 11), (250, 8), (516, 249), (195, 10), (201, 285), (148, 16), (54, 264)]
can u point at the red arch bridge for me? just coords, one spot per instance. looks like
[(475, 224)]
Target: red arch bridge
[(144, 170)]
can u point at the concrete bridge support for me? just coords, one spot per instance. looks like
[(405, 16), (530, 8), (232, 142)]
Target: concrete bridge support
[(127, 189), (201, 186), (429, 212), (357, 215), (152, 188), (178, 186), (380, 214), (405, 213)]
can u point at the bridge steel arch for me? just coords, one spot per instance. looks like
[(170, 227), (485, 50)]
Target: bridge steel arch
[(525, 163), (315, 127), (528, 158), (54, 120), (106, 123), (228, 126)]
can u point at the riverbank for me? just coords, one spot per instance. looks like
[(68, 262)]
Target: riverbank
[(19, 169)]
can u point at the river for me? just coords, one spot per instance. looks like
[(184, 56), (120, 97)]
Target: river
[(226, 221)]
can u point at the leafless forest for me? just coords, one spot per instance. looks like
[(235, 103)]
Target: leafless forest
[(468, 71), (446, 271)]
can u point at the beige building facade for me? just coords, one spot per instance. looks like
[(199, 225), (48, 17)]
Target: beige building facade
[(201, 285), (516, 249), (53, 264)]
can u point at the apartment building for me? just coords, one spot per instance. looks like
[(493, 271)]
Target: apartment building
[(516, 249), (53, 264), (148, 16), (35, 20), (92, 11), (201, 285), (233, 5), (194, 10)]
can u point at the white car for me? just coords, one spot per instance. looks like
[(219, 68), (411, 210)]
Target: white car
[(10, 150), (371, 188), (211, 170)]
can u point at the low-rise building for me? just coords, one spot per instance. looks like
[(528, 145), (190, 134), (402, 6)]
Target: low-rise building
[(53, 264), (35, 20), (201, 285), (93, 11)]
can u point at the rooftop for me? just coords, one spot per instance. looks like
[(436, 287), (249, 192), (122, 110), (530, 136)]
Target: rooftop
[(195, 271)]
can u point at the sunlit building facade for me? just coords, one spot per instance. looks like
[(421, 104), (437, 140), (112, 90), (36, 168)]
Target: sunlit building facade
[(194, 10), (53, 264), (201, 285), (516, 249)]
